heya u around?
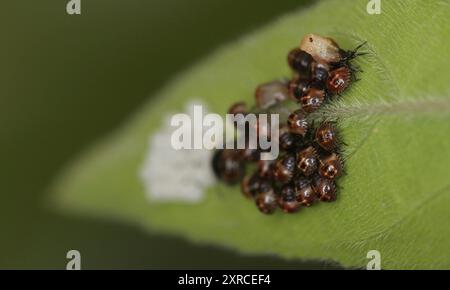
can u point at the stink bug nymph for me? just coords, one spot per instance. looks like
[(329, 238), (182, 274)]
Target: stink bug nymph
[(306, 196), (228, 165), (298, 87), (300, 61), (331, 166), (320, 75), (326, 136), (325, 189), (304, 191), (250, 186), (338, 80), (307, 161), (287, 140), (312, 100), (297, 123), (266, 200), (285, 168), (288, 199), (270, 93)]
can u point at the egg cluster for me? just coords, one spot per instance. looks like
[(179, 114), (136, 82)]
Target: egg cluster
[(309, 162)]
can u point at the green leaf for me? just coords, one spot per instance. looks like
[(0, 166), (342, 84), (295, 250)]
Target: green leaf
[(395, 197)]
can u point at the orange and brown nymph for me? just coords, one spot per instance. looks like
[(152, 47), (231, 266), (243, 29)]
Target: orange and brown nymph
[(331, 166), (338, 80)]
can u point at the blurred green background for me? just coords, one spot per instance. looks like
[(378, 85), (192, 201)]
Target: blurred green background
[(65, 81)]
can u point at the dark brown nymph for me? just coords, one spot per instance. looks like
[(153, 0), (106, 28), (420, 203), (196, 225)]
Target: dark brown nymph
[(300, 61), (250, 185), (297, 123), (228, 165), (285, 168), (304, 191), (288, 199), (326, 136), (298, 87)]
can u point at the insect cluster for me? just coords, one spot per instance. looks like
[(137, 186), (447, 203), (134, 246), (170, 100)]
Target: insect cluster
[(309, 162)]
